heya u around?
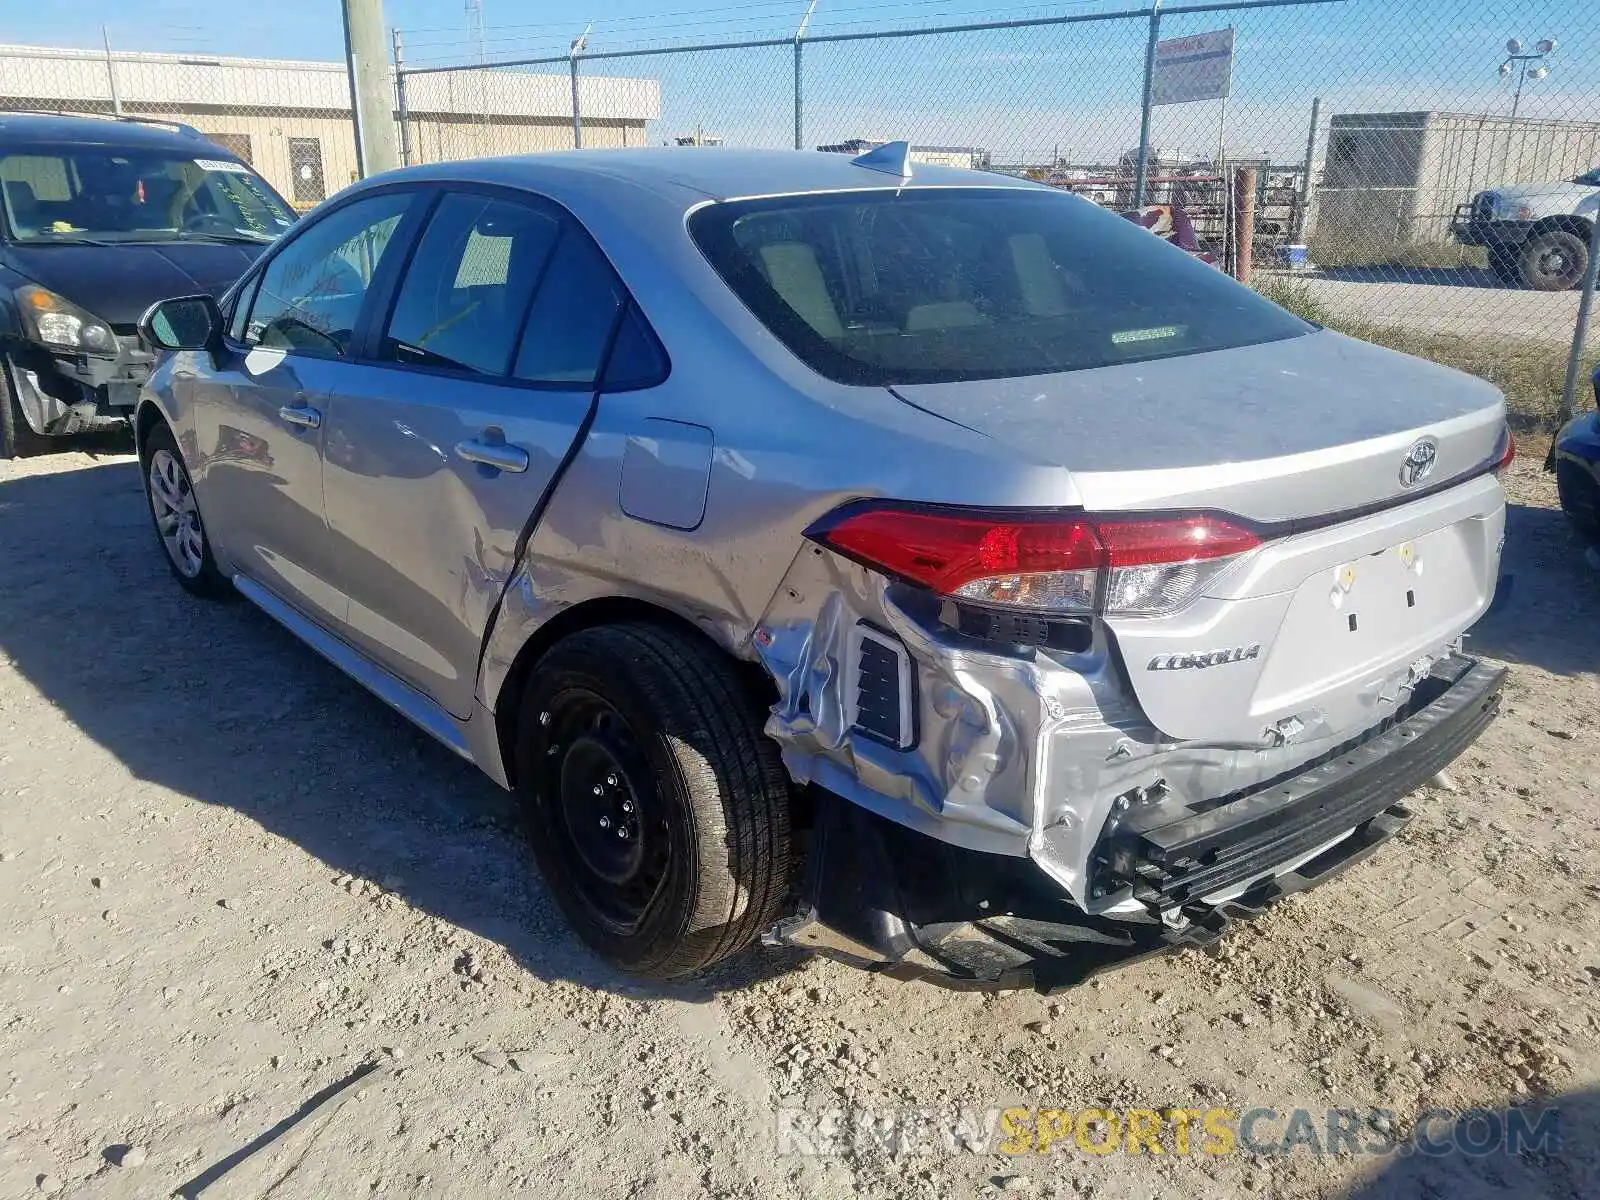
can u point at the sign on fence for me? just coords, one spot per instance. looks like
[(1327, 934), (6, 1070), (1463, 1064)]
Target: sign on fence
[(1198, 67)]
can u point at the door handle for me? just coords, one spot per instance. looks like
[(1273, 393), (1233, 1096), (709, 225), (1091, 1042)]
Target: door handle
[(306, 418), (499, 455)]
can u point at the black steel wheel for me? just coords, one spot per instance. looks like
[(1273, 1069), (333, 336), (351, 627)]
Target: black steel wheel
[(657, 808)]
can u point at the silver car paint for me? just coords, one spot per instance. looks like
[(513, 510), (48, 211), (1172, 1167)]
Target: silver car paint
[(1021, 753)]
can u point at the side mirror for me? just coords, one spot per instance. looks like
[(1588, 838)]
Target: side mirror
[(184, 323)]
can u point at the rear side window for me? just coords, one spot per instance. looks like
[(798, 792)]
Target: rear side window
[(950, 284), (573, 315), (461, 303)]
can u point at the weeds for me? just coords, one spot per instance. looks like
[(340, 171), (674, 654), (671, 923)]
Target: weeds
[(1529, 371)]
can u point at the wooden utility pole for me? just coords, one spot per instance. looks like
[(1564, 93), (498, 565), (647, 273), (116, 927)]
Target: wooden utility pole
[(366, 47)]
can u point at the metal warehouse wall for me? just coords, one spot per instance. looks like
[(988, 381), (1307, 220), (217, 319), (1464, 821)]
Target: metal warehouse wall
[(288, 117), (1396, 178)]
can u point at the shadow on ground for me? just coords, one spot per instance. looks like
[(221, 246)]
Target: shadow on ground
[(1550, 617), (214, 701), (1495, 1153)]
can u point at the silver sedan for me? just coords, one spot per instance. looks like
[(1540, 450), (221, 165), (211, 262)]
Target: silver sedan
[(922, 566)]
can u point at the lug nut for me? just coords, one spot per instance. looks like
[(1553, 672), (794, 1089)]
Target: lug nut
[(611, 781), (605, 822), (598, 790), (544, 718), (627, 806), (622, 832)]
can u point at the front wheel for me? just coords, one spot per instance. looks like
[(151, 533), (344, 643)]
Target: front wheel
[(17, 437), (658, 810), (169, 495), (1554, 261)]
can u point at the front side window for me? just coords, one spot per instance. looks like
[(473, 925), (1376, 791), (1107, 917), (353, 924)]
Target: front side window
[(76, 193), (311, 293), (464, 295), (949, 284)]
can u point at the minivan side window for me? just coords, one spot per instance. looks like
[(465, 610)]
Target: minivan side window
[(311, 292), (466, 289), (574, 312)]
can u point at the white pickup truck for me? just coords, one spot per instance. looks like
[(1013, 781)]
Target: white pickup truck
[(1537, 234)]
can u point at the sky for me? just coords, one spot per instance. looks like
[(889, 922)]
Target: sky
[(1023, 94)]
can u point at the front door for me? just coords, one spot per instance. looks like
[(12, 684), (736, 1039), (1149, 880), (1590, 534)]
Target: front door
[(259, 419), (441, 450)]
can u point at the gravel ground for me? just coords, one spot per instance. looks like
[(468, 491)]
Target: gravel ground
[(230, 881), (1462, 301)]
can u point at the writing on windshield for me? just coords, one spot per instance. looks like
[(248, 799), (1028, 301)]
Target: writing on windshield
[(102, 194)]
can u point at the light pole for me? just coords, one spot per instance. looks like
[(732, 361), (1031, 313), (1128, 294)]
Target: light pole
[(1522, 65)]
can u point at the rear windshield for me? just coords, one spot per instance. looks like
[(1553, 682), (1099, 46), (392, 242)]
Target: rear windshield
[(75, 193), (942, 285)]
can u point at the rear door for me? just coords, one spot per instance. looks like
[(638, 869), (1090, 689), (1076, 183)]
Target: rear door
[(479, 380), (258, 419)]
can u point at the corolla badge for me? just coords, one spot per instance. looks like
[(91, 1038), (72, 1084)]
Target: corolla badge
[(1200, 659), (1417, 465)]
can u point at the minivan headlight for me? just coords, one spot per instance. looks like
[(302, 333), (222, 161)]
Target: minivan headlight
[(57, 322)]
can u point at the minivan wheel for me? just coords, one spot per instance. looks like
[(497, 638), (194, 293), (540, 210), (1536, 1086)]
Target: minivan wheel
[(657, 809), (17, 437), (175, 513), (1553, 261)]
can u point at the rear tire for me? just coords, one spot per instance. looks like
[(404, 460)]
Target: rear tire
[(657, 808), (175, 516), (1554, 261), (17, 438)]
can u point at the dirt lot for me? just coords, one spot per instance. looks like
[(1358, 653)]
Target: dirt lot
[(229, 880), (1434, 300)]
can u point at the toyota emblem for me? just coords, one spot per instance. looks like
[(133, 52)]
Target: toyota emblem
[(1417, 465)]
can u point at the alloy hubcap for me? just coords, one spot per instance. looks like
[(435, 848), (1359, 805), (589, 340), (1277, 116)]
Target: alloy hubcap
[(177, 516)]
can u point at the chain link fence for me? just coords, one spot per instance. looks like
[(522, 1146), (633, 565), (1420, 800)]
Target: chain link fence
[(1411, 178), (288, 119), (1412, 175)]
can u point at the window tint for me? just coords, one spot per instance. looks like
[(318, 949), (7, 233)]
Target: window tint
[(311, 294), (951, 284), (464, 295), (637, 359), (573, 315)]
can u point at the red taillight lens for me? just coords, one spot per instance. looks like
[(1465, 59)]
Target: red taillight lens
[(1510, 455), (943, 551), (1049, 562)]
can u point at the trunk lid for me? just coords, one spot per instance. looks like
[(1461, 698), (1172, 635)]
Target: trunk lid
[(1282, 431), (1372, 562)]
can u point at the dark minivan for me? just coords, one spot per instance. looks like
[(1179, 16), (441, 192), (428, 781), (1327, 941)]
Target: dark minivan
[(100, 217)]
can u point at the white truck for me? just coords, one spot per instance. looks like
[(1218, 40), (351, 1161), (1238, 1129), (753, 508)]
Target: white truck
[(1537, 234)]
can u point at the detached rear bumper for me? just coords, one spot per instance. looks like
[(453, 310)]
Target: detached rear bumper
[(883, 897)]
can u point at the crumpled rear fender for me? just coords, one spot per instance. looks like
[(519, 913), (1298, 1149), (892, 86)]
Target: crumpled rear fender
[(1018, 750)]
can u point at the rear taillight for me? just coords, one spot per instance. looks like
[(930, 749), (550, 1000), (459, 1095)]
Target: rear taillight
[(1044, 562), (1508, 455)]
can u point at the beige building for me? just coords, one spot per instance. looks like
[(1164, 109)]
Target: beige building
[(1396, 178), (291, 119)]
